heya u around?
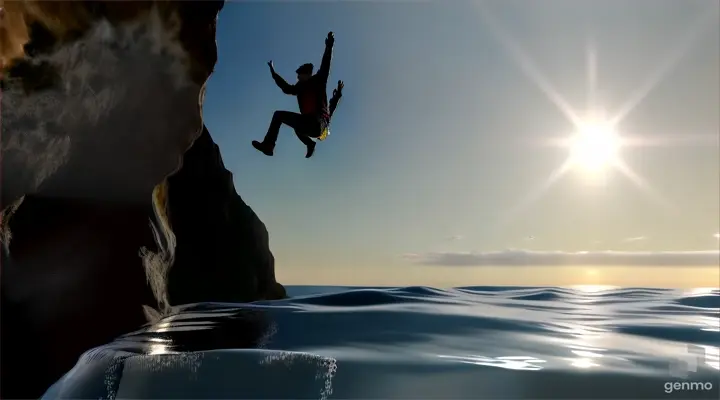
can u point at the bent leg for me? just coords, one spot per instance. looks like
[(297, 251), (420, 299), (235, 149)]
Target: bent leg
[(309, 129), (291, 119), (304, 138)]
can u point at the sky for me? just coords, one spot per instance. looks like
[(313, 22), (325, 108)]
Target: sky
[(438, 168)]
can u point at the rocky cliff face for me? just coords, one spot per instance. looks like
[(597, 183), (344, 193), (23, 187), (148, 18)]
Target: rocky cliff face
[(100, 100), (71, 280), (222, 248)]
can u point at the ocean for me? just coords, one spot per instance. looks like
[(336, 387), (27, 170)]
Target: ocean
[(335, 342)]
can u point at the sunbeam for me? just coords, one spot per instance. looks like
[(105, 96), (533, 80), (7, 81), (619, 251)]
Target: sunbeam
[(676, 54), (653, 195), (591, 75), (692, 139), (527, 65), (596, 143), (536, 194)]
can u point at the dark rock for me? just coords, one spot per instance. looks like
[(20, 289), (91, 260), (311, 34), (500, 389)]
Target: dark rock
[(100, 102), (222, 251), (122, 84), (71, 280)]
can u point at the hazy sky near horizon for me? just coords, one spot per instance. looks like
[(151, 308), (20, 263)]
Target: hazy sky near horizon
[(437, 169)]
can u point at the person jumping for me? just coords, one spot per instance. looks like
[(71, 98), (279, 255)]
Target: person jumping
[(314, 117)]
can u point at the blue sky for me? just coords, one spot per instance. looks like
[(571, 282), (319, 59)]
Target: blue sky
[(437, 144)]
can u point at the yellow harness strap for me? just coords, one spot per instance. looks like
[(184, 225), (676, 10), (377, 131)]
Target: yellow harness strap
[(324, 134)]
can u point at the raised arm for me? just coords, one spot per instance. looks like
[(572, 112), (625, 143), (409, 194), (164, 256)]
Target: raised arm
[(337, 94), (324, 70), (282, 83)]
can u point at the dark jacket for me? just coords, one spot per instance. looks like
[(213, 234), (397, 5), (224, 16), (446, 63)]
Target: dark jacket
[(311, 95)]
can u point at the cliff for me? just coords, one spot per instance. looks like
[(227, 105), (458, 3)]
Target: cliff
[(222, 248), (113, 194)]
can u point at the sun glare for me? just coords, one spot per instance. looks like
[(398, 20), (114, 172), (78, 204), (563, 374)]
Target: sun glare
[(594, 147)]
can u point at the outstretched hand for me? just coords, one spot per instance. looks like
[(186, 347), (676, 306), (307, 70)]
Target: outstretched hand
[(338, 92), (272, 67), (330, 40)]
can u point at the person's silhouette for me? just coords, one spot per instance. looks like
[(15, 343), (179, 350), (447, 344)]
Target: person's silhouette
[(314, 116)]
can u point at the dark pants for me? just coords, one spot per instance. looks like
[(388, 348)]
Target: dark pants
[(305, 126)]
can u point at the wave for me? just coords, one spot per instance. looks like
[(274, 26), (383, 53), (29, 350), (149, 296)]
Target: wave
[(419, 342)]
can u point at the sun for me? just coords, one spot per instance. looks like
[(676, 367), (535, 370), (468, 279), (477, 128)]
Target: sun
[(594, 147)]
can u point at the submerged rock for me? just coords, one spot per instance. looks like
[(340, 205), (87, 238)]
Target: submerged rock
[(100, 100)]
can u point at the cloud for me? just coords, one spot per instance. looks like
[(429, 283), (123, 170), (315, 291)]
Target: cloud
[(635, 239), (561, 258), (456, 238)]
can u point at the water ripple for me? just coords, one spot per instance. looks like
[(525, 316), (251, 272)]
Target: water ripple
[(418, 342)]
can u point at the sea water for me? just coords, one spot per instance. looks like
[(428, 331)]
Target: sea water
[(419, 343)]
